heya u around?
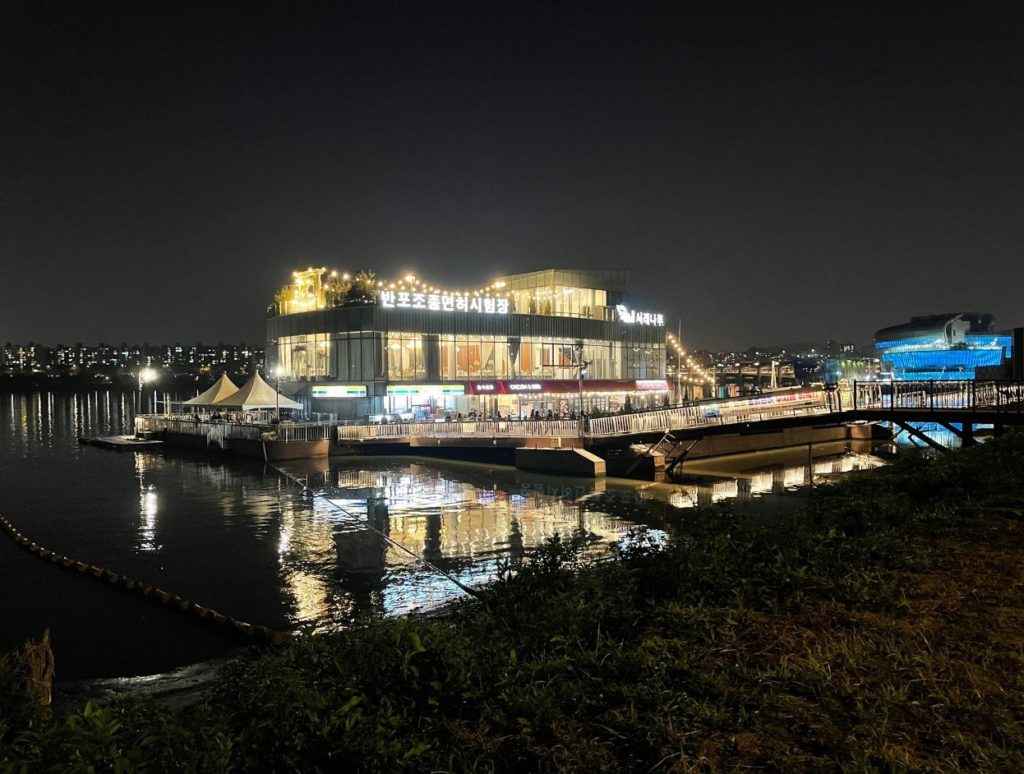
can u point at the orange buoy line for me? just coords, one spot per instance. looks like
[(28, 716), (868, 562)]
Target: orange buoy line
[(156, 595)]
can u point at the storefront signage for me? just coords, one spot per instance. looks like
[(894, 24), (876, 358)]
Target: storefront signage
[(442, 302), (339, 391), (426, 389), (566, 386), (524, 386), (634, 317), (649, 385)]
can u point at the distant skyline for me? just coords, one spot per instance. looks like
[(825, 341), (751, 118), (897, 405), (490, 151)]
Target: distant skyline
[(769, 172)]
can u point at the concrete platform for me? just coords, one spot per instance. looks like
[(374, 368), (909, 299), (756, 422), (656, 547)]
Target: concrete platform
[(570, 462)]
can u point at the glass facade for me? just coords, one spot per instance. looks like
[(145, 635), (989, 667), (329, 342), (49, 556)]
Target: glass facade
[(431, 356), (408, 356), (938, 347), (322, 356), (941, 363), (566, 292)]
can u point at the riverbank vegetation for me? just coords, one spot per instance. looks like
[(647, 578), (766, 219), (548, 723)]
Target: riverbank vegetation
[(882, 628)]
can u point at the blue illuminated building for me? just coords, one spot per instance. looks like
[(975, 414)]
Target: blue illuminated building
[(943, 346)]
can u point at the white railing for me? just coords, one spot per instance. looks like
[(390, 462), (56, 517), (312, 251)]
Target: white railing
[(704, 414), (217, 432), (305, 431), (556, 428), (939, 394), (710, 414)]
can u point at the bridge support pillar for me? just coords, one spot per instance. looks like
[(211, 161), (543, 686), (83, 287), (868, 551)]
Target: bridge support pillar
[(913, 432), (965, 434)]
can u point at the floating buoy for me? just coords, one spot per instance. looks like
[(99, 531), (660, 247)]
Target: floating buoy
[(244, 628), (154, 593)]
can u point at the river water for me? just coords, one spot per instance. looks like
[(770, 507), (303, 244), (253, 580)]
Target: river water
[(316, 544)]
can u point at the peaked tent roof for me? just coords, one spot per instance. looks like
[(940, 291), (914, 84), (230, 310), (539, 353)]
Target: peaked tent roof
[(222, 388), (257, 394)]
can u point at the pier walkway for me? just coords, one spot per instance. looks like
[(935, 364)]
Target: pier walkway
[(957, 405)]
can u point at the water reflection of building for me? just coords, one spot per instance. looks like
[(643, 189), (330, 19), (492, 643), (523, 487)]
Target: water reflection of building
[(359, 545)]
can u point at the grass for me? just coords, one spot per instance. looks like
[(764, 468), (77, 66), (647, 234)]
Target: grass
[(881, 629)]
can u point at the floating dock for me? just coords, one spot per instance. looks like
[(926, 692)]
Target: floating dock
[(122, 442)]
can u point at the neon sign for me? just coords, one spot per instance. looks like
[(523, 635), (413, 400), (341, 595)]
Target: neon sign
[(634, 317), (426, 389), (339, 391), (442, 302)]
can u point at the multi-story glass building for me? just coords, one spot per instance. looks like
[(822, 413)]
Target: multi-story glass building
[(363, 346), (943, 346)]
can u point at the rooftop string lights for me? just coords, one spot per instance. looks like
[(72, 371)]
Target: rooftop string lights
[(316, 288), (411, 283), (693, 367)]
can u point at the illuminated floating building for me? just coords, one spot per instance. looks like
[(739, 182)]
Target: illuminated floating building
[(943, 346), (359, 345)]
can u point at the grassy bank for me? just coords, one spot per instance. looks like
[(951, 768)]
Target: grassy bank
[(882, 628)]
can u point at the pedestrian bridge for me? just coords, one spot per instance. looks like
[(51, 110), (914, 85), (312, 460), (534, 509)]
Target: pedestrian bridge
[(871, 401)]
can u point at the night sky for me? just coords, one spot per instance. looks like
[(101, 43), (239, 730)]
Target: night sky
[(770, 172)]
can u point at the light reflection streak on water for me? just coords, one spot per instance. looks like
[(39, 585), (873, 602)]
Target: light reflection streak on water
[(306, 543), (23, 423), (149, 505), (773, 480)]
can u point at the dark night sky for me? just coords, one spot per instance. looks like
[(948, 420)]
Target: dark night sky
[(770, 172)]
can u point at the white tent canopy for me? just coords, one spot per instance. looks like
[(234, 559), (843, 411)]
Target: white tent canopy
[(257, 394), (222, 388)]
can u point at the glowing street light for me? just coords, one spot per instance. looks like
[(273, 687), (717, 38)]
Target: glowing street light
[(146, 375), (278, 373)]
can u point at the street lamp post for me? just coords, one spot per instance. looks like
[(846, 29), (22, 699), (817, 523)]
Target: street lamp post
[(145, 375), (277, 392), (581, 367)]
